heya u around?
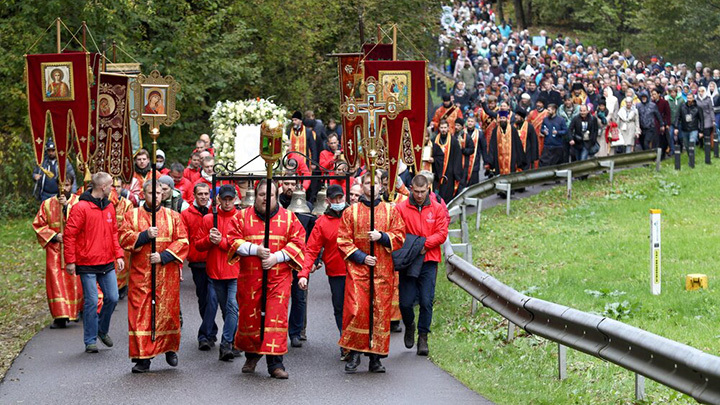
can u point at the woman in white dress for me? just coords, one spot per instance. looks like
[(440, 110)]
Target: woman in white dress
[(629, 126)]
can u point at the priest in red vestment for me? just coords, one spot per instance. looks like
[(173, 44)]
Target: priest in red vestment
[(354, 239), (448, 112), (284, 254), (172, 247), (505, 151), (536, 117), (64, 291)]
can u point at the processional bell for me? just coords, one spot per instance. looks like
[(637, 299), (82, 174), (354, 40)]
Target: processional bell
[(249, 199), (321, 204), (298, 203)]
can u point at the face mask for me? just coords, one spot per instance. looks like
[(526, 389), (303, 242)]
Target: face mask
[(337, 207)]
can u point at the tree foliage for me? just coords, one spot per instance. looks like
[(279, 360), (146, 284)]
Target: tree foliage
[(680, 30), (216, 49)]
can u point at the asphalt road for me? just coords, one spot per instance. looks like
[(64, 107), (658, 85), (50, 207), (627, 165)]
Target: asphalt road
[(53, 368)]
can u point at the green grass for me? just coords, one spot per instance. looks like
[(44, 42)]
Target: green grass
[(23, 304), (591, 253)]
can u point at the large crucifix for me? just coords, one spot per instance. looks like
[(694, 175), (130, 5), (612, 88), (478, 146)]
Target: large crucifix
[(375, 152)]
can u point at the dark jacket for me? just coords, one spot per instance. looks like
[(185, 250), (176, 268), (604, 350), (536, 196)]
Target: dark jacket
[(690, 118), (648, 112), (555, 123), (577, 134), (47, 187), (408, 260)]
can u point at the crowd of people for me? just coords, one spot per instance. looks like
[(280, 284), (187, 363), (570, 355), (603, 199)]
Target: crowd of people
[(565, 100), (518, 102), (102, 245)]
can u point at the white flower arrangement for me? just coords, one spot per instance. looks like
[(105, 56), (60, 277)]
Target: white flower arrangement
[(227, 116)]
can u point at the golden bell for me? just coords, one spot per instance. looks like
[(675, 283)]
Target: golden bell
[(249, 199), (298, 203), (321, 203)]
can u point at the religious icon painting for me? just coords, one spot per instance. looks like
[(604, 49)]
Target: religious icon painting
[(57, 81), (396, 83), (154, 97), (106, 105)]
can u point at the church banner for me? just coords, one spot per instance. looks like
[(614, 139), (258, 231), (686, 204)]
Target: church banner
[(378, 51), (406, 83), (58, 88), (112, 153), (351, 81)]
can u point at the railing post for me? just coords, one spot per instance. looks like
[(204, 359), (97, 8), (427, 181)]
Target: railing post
[(479, 211), (568, 176), (507, 188), (639, 387), (658, 159), (611, 165), (562, 362), (511, 331)]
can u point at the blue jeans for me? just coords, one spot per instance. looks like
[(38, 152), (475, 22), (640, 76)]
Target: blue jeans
[(298, 305), (689, 138), (92, 325), (226, 292), (207, 303), (423, 287), (337, 292)]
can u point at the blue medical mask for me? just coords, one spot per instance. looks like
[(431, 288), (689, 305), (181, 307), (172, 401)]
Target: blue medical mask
[(337, 207)]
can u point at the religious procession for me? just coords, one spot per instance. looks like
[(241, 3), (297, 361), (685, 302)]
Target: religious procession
[(267, 202), (215, 183)]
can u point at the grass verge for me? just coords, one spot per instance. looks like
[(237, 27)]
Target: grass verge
[(592, 254), (23, 304)]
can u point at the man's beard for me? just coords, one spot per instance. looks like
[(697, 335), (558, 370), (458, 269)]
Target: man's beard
[(503, 125)]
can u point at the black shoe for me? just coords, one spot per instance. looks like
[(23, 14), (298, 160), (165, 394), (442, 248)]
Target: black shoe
[(226, 353), (141, 366), (353, 363), (344, 354), (375, 365), (59, 323), (204, 345), (171, 358), (422, 345), (410, 336), (303, 335), (122, 293), (295, 341), (395, 327), (236, 353), (91, 348), (105, 338)]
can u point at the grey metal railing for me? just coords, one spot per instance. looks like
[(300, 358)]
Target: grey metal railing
[(678, 366)]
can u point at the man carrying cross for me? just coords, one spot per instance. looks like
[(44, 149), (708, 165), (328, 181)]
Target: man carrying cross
[(366, 310), (283, 255)]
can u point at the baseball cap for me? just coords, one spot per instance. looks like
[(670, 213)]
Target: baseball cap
[(334, 191), (227, 190)]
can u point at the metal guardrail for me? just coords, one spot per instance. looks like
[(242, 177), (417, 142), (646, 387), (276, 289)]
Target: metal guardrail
[(678, 366)]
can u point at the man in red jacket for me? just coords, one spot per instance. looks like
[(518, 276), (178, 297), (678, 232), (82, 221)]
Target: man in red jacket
[(182, 184), (427, 218), (207, 301), (324, 236), (223, 276), (91, 249), (192, 171)]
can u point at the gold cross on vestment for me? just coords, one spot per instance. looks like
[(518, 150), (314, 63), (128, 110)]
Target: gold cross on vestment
[(252, 221), (254, 314), (282, 296), (278, 221), (272, 346), (252, 295), (277, 320)]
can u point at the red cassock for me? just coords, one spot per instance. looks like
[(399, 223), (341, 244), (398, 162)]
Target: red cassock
[(172, 238), (353, 235), (122, 206), (64, 292), (286, 234)]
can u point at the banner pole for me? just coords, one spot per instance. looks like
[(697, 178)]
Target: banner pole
[(57, 35)]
